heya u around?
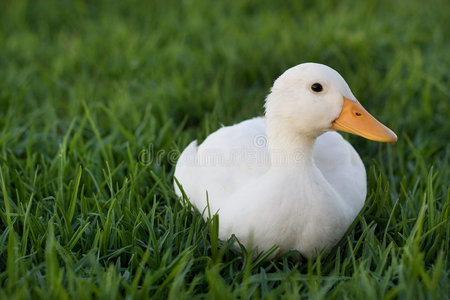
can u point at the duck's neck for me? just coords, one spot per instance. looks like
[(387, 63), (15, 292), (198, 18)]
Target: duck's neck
[(288, 148)]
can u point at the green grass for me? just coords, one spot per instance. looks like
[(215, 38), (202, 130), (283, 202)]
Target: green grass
[(97, 99)]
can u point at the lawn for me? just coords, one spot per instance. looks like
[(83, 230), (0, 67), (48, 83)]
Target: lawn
[(98, 98)]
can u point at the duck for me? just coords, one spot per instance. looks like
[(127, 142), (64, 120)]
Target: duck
[(287, 179)]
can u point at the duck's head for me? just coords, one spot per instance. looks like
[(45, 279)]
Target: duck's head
[(311, 98)]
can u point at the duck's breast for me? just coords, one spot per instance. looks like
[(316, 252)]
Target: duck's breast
[(342, 167)]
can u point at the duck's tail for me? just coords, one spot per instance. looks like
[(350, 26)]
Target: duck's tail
[(184, 169)]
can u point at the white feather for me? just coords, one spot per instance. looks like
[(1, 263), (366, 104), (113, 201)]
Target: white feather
[(281, 180)]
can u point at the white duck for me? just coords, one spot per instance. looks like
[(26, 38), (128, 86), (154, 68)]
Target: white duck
[(303, 188)]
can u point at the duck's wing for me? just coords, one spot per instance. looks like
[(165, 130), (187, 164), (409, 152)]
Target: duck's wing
[(227, 159), (342, 167)]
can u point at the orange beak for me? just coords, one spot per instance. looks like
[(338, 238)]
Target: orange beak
[(355, 119)]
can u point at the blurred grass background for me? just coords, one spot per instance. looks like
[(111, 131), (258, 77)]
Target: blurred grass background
[(87, 89)]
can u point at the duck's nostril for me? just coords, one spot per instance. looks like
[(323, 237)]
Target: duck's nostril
[(358, 114)]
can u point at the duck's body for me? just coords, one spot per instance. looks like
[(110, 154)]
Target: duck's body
[(277, 180), (317, 197)]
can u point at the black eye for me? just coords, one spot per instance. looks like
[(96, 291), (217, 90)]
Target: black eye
[(316, 87)]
